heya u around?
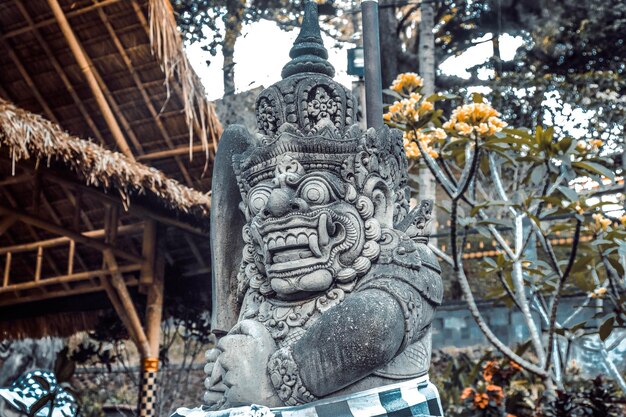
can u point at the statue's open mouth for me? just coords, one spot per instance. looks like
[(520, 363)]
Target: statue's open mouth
[(301, 241)]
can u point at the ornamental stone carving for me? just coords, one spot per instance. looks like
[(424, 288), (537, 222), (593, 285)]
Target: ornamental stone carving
[(323, 281)]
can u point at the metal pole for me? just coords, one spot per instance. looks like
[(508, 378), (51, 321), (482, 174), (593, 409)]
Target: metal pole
[(373, 78)]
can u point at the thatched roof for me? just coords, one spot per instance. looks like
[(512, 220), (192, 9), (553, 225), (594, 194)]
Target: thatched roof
[(31, 137), (135, 53), (67, 196)]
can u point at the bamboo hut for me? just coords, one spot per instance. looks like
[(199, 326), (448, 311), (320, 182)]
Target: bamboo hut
[(106, 143)]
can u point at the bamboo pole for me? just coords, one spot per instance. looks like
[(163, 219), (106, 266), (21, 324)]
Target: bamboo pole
[(70, 257), (80, 57), (134, 209), (50, 21), (59, 69), (6, 223), (119, 308), (80, 276), (38, 264), (117, 281), (58, 241), (149, 252), (169, 153), (43, 224), (154, 309), (7, 270), (52, 294)]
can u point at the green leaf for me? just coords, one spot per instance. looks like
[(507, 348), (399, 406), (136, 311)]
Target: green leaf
[(606, 328), (594, 168), (393, 94), (440, 96), (570, 194), (538, 174)]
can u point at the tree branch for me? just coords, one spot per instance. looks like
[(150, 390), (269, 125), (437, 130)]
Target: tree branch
[(557, 296)]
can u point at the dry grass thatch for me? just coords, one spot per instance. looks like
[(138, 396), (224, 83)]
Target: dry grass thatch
[(168, 46), (135, 52), (31, 137)]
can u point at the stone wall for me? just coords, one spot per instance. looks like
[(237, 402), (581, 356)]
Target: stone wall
[(453, 326)]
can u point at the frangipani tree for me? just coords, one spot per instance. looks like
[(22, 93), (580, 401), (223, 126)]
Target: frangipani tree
[(513, 186)]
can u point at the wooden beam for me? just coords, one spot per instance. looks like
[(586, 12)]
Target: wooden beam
[(31, 230), (87, 70), (148, 248), (79, 276), (38, 264), (6, 223), (129, 308), (70, 257), (156, 117), (7, 270), (134, 208), (59, 70), (154, 302), (29, 81), (170, 152), (116, 109), (16, 179), (47, 22), (60, 230), (119, 308), (53, 294)]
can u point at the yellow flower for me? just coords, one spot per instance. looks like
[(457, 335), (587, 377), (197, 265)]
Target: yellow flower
[(598, 293), (596, 143), (464, 128), (449, 125), (387, 117), (601, 221), (482, 128), (408, 81), (467, 392), (478, 117), (623, 220), (426, 106), (439, 134), (395, 107), (426, 140), (415, 97), (581, 146), (579, 209)]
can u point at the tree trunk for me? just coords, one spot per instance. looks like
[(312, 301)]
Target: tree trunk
[(233, 30), (427, 185), (389, 43)]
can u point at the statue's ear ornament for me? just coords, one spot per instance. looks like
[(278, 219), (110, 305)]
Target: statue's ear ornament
[(414, 224)]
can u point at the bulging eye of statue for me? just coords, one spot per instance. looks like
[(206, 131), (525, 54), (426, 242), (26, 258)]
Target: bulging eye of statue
[(316, 192), (258, 198)]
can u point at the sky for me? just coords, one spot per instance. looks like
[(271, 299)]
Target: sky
[(263, 49), (260, 54)]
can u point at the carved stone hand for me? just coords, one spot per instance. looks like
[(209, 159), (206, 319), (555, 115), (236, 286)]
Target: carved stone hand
[(214, 396), (245, 352)]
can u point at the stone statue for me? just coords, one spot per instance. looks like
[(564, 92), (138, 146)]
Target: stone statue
[(331, 288)]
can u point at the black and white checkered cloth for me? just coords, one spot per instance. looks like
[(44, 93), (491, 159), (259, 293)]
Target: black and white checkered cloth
[(31, 387), (415, 398)]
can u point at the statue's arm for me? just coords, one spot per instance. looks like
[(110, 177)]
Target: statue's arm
[(346, 344)]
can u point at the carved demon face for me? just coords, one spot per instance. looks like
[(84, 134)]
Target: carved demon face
[(307, 229)]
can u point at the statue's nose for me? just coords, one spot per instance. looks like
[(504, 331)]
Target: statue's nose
[(282, 201), (279, 202)]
